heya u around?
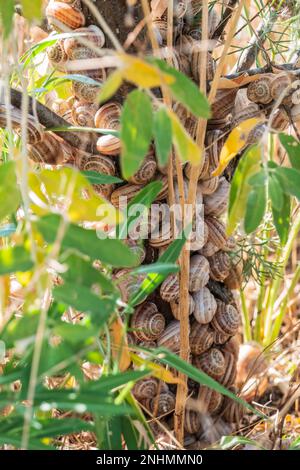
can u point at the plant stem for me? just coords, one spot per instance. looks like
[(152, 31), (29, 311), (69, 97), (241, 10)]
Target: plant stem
[(245, 318)]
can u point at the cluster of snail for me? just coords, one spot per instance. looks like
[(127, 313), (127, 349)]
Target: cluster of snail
[(214, 315)]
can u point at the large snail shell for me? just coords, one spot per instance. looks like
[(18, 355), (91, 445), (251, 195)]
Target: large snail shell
[(99, 164), (63, 108), (108, 116), (212, 362), (145, 388), (86, 92), (147, 323), (169, 290), (217, 232), (205, 305), (199, 235), (57, 55), (170, 338), (280, 120), (230, 369), (83, 113), (175, 307), (219, 265), (220, 337), (214, 141), (226, 319), (259, 91), (216, 203), (109, 145), (61, 15), (146, 171), (210, 401), (199, 273), (232, 346), (201, 338)]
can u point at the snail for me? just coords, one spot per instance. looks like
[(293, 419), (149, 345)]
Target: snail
[(216, 203), (209, 400), (146, 171), (57, 55), (201, 338), (170, 338), (169, 290), (99, 164), (220, 265), (76, 49), (226, 319), (199, 273), (109, 145), (175, 307), (147, 323), (205, 305), (212, 362), (85, 91), (259, 91), (145, 388), (217, 232), (108, 116), (83, 113), (63, 15)]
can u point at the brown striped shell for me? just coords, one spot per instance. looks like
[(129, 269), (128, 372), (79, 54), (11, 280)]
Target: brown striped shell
[(199, 235), (63, 108), (127, 284), (109, 145), (209, 186), (280, 119), (199, 273), (86, 92), (76, 49), (281, 88), (217, 232), (214, 141), (99, 164), (62, 15), (192, 421), (123, 194), (226, 319), (49, 150), (212, 362), (57, 55), (220, 337), (216, 203), (223, 104), (187, 119), (205, 305), (244, 108), (83, 113), (160, 28), (169, 290), (232, 346), (210, 401), (232, 412), (170, 338), (146, 171), (146, 322), (230, 369), (259, 91), (145, 388), (220, 265), (209, 249), (196, 58), (235, 278), (108, 116), (201, 338), (175, 307), (162, 404)]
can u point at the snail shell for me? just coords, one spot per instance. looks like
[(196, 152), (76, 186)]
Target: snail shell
[(244, 108), (217, 232), (63, 108), (201, 338), (170, 288), (57, 55), (164, 190), (223, 104), (209, 186), (61, 15), (86, 92), (180, 8), (259, 91), (226, 319), (129, 285), (187, 119), (199, 273), (209, 249), (192, 421), (216, 203), (163, 404), (199, 235), (123, 194), (49, 150), (281, 87), (99, 164), (280, 120), (147, 323), (76, 50), (108, 116), (83, 113), (210, 401), (220, 337), (146, 171), (232, 346), (170, 338), (175, 307), (205, 305), (145, 388), (109, 145), (212, 362), (160, 27), (196, 57), (235, 278), (230, 369), (194, 7), (219, 266), (232, 411)]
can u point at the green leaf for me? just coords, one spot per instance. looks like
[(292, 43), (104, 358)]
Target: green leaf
[(84, 300), (292, 147), (295, 445), (255, 209), (7, 12), (113, 381), (290, 179), (34, 444), (281, 219), (74, 334), (184, 90), (9, 192), (186, 147), (59, 426), (162, 128), (248, 165), (136, 131), (156, 268), (259, 179), (2, 351), (14, 259), (227, 442), (109, 251), (110, 86), (32, 9), (98, 178), (275, 191)]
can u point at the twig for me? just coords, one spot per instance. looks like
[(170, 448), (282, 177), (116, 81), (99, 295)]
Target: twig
[(224, 20)]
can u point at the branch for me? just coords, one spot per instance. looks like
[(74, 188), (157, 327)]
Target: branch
[(224, 20)]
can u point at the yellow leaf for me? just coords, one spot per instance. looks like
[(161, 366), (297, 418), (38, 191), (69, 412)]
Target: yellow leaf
[(120, 350), (186, 147), (142, 74), (110, 87), (234, 143), (158, 371)]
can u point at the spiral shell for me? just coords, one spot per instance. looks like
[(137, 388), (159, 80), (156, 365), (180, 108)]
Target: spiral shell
[(216, 203), (230, 369), (259, 91), (146, 171), (128, 285), (219, 265), (63, 108), (161, 405), (175, 307), (280, 120), (209, 249), (232, 346), (169, 290), (217, 232), (76, 50), (210, 401), (109, 145), (201, 338), (57, 55), (83, 113), (61, 15), (226, 319), (108, 116), (205, 305), (123, 194), (209, 186), (86, 92), (192, 421), (147, 323), (281, 88), (49, 150), (212, 362), (232, 412), (199, 273), (244, 108), (187, 119), (170, 338), (199, 235), (145, 388), (196, 58), (223, 104), (220, 337), (160, 29), (99, 164)]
